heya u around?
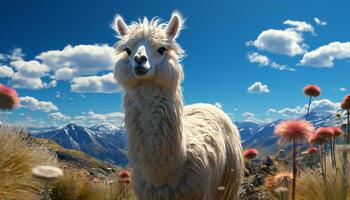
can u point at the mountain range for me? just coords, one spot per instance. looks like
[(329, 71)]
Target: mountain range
[(266, 142), (104, 141), (107, 142)]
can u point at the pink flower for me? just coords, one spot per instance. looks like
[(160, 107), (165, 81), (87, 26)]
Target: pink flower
[(124, 174), (337, 131), (325, 132), (125, 181), (316, 139), (8, 98), (269, 181), (250, 153), (280, 179), (312, 90), (312, 150), (345, 104), (283, 178), (298, 130)]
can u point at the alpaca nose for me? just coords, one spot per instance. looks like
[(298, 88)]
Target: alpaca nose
[(140, 59)]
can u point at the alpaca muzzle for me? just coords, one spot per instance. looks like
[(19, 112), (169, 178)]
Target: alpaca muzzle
[(141, 70)]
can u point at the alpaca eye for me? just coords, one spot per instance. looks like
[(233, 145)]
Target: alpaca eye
[(161, 50), (128, 51)]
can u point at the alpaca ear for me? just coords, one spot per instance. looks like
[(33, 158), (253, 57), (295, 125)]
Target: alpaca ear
[(120, 26), (174, 26)]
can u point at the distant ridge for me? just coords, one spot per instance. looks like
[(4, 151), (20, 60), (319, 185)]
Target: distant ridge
[(103, 141), (267, 142), (107, 142)]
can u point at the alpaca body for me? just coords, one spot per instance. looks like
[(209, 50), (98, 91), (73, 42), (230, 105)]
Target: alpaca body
[(180, 155), (176, 152)]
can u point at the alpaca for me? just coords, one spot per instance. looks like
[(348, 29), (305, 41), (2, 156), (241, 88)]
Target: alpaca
[(177, 152)]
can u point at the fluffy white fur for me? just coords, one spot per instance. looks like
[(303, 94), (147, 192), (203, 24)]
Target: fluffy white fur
[(176, 152)]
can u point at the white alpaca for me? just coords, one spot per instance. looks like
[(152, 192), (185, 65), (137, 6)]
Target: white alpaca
[(176, 152)]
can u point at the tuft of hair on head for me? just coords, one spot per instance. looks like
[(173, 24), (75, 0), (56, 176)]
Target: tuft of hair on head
[(119, 25), (175, 25)]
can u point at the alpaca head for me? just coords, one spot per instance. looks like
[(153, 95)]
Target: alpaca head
[(147, 52)]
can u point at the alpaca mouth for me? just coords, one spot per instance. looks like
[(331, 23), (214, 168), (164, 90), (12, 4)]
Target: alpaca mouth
[(141, 70)]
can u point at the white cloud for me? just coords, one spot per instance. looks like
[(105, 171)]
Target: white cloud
[(248, 114), (92, 118), (34, 104), (287, 112), (30, 68), (285, 42), (342, 89), (257, 58), (326, 54), (299, 26), (58, 116), (86, 119), (218, 104), (320, 22), (102, 84), (2, 56), (79, 60), (258, 88), (80, 64), (28, 74), (263, 60), (16, 54), (19, 81), (51, 84), (324, 106), (321, 106), (6, 71), (288, 42), (251, 117), (65, 73)]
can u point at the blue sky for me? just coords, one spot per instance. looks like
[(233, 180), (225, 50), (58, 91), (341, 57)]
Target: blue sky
[(58, 55)]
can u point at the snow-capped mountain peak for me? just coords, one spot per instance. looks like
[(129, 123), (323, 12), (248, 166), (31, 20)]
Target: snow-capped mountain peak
[(104, 141), (104, 127)]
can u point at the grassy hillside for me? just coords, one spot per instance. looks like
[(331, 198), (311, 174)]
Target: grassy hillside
[(85, 177), (78, 159)]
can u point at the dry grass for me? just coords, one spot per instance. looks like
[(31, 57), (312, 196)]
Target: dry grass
[(17, 158), (79, 185), (313, 185), (74, 186)]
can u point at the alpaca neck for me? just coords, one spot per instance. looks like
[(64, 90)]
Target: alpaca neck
[(154, 122)]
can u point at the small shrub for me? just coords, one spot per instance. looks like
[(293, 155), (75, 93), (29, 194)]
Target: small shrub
[(80, 185)]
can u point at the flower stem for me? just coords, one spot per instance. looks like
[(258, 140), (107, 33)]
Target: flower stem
[(306, 118), (334, 158), (321, 160), (308, 108), (46, 193), (348, 126), (294, 169), (324, 159), (332, 153)]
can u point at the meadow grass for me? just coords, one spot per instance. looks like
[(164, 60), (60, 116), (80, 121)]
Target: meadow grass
[(17, 158), (331, 186), (19, 155), (80, 185)]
